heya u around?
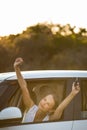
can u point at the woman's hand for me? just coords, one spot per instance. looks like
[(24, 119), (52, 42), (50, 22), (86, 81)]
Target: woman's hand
[(75, 88), (18, 62)]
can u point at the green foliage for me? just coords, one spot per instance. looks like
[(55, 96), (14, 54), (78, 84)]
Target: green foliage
[(45, 47)]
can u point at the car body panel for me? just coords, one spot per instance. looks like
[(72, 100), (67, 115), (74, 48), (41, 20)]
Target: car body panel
[(80, 125), (43, 126), (44, 74)]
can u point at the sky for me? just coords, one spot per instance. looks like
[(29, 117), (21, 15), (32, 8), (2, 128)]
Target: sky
[(17, 15)]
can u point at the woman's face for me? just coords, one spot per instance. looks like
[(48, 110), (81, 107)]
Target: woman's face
[(47, 103)]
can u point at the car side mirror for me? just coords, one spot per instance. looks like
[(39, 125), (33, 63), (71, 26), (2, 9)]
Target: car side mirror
[(10, 116), (10, 113)]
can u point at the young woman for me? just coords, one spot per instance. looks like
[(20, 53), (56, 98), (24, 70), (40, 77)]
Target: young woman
[(40, 112)]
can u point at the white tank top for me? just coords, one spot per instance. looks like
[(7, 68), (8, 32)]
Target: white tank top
[(30, 115)]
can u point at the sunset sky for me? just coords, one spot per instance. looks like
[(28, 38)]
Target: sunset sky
[(17, 15)]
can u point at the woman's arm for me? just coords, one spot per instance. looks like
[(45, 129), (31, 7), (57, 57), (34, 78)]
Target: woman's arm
[(28, 102), (58, 112)]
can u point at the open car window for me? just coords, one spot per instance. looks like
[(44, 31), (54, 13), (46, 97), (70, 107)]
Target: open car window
[(11, 96)]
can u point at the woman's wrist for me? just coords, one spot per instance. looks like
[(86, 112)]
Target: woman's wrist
[(16, 67), (73, 93)]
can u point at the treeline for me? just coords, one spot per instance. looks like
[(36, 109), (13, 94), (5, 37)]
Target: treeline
[(45, 46)]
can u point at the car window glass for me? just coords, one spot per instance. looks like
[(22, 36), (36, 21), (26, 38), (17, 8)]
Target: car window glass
[(7, 92), (84, 99), (80, 102)]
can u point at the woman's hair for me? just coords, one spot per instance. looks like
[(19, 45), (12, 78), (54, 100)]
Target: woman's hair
[(47, 90)]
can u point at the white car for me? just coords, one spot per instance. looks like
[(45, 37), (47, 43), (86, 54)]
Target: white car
[(58, 81)]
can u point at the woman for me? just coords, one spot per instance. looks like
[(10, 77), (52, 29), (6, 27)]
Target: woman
[(41, 112)]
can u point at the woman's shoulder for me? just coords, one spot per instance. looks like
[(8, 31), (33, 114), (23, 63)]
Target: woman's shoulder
[(33, 108)]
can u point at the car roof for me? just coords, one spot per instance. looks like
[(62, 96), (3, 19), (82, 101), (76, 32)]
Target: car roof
[(35, 74)]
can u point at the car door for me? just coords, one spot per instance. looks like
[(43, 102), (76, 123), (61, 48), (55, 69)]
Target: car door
[(80, 107)]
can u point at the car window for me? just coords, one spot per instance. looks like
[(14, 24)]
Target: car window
[(8, 89), (11, 95), (9, 99)]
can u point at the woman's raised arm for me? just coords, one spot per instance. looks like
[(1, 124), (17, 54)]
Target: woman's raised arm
[(58, 112), (28, 102)]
